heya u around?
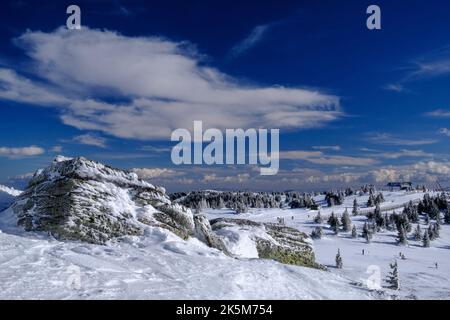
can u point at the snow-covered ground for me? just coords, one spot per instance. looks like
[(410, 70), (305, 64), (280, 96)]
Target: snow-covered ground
[(162, 266), (157, 266), (419, 277)]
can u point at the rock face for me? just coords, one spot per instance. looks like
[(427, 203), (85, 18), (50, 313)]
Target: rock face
[(79, 199), (250, 239)]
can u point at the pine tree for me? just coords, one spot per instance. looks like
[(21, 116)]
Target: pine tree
[(426, 239), (393, 278), (438, 221), (318, 219), (402, 236), (354, 232), (447, 216), (317, 233), (431, 233), (346, 221), (366, 233), (355, 209), (417, 233), (427, 219), (336, 228), (339, 264), (436, 231), (331, 219)]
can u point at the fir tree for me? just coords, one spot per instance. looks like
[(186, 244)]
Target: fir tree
[(438, 221), (366, 233), (393, 278), (436, 231), (402, 236), (339, 264), (317, 233), (426, 239), (355, 208), (318, 219), (447, 216), (427, 219), (336, 228), (354, 232), (417, 233), (346, 221), (431, 233)]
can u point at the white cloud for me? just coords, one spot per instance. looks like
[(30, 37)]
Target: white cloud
[(333, 148), (163, 85), (387, 139), (56, 149), (404, 153), (439, 113), (91, 140), (251, 40), (396, 87), (150, 173), (15, 153), (445, 131), (318, 157)]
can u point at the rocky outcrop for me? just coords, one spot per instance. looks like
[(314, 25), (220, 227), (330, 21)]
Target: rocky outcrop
[(250, 239), (79, 199), (83, 200)]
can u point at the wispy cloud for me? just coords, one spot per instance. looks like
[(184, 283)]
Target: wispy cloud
[(431, 65), (255, 36), (91, 140), (318, 157), (439, 113), (396, 87), (20, 152), (333, 148), (56, 149), (388, 139)]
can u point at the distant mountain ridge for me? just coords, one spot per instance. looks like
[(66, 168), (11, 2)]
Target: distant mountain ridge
[(7, 196)]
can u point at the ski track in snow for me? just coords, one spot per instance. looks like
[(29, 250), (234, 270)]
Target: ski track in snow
[(161, 266)]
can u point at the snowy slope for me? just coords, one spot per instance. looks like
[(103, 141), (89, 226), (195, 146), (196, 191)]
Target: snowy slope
[(419, 277), (155, 266)]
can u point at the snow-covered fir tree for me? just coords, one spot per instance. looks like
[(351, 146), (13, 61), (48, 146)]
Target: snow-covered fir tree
[(417, 235), (355, 209), (393, 277), (366, 234), (318, 218), (339, 263), (317, 233), (346, 221), (447, 216), (426, 239), (402, 239), (354, 232)]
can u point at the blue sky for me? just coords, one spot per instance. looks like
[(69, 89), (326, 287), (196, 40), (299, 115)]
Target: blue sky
[(357, 106)]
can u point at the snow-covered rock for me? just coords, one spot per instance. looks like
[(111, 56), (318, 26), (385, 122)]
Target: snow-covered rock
[(79, 199), (249, 239)]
